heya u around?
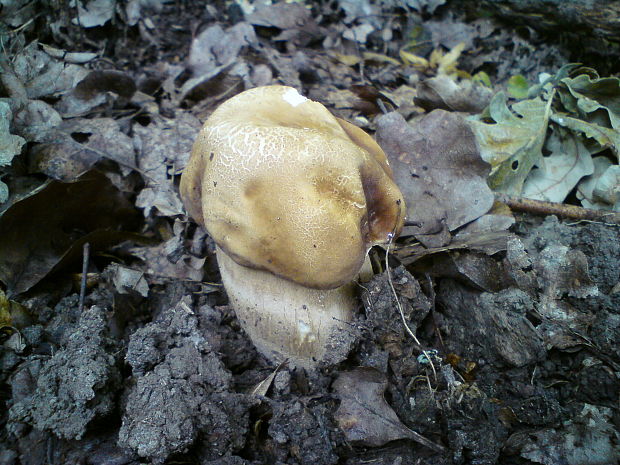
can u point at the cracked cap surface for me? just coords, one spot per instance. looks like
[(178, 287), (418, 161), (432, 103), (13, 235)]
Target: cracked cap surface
[(283, 185)]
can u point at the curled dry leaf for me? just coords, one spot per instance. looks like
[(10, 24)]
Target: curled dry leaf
[(439, 170), (442, 92), (294, 19), (364, 416), (96, 90)]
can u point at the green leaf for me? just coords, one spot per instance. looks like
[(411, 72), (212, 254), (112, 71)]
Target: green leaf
[(547, 81), (483, 78), (512, 145), (518, 86), (606, 137), (595, 94)]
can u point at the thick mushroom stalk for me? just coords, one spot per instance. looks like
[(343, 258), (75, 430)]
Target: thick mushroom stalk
[(294, 198)]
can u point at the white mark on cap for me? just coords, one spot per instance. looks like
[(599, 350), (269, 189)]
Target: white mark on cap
[(293, 97)]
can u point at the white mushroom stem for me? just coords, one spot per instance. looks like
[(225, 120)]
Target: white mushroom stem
[(285, 320)]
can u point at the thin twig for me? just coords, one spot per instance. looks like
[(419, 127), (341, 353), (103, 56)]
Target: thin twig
[(86, 254), (539, 207), (400, 307)]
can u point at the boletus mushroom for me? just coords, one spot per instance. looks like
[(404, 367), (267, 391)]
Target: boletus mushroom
[(294, 198)]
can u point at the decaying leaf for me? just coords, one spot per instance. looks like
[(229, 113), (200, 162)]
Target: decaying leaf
[(5, 314), (439, 170), (588, 186), (10, 145), (13, 313), (43, 75), (558, 174), (364, 416), (164, 148), (442, 92), (37, 232), (127, 280), (513, 142), (78, 144), (170, 259), (490, 242), (36, 121), (94, 91), (294, 19), (215, 47), (563, 272), (94, 13), (136, 9)]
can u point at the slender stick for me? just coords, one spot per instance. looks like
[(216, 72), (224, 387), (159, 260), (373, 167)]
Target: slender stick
[(538, 207), (86, 253)]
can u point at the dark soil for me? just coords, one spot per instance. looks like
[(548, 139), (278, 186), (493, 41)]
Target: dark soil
[(526, 374)]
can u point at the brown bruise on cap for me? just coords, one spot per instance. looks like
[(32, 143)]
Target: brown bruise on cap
[(282, 185)]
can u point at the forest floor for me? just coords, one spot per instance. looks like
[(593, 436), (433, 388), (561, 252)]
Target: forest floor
[(517, 357)]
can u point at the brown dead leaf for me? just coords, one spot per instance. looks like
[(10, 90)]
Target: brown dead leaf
[(39, 232), (78, 144), (438, 168), (94, 91), (215, 47), (294, 19), (170, 258), (364, 416), (164, 148)]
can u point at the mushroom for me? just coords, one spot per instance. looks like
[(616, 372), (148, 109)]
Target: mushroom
[(294, 198)]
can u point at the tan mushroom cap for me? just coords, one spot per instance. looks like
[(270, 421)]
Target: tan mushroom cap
[(282, 185)]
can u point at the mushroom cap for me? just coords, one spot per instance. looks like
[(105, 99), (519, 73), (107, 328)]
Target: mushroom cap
[(282, 185)]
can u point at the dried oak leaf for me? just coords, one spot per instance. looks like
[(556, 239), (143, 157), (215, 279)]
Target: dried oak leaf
[(364, 416), (438, 168)]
